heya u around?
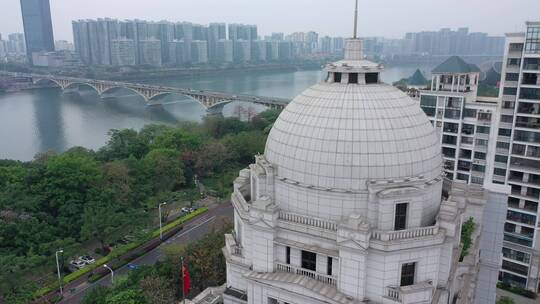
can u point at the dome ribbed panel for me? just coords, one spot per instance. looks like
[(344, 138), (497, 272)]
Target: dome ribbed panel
[(339, 136)]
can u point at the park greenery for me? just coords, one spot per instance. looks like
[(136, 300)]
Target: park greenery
[(80, 196), (162, 282)]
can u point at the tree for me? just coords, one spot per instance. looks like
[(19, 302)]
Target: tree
[(157, 290), (178, 139), (505, 300), (62, 185), (165, 168), (204, 259), (96, 295), (106, 221), (211, 158), (129, 296), (243, 146), (122, 144), (117, 179)]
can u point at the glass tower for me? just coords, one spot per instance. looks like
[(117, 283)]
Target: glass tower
[(37, 23)]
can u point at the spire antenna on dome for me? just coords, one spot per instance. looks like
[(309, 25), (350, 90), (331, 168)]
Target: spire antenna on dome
[(355, 20)]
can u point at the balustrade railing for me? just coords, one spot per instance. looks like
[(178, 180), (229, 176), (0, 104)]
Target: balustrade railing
[(393, 293), (326, 279), (306, 220), (404, 234)]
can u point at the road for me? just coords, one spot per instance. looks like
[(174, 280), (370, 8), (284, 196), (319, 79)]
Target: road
[(192, 231)]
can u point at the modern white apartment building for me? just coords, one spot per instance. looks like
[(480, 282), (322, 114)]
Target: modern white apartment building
[(497, 140), (517, 158), (464, 121)]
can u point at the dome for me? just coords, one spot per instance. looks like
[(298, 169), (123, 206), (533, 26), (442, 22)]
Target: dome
[(352, 128)]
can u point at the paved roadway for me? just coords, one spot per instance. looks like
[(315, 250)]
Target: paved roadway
[(192, 231)]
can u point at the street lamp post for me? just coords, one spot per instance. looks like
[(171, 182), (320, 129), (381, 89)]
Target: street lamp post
[(58, 270), (160, 221), (112, 272)]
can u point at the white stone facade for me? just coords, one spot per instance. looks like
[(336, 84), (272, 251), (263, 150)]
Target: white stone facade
[(347, 206)]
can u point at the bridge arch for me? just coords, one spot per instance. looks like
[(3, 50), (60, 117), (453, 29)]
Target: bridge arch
[(84, 84), (178, 94), (41, 80), (125, 88), (219, 106)]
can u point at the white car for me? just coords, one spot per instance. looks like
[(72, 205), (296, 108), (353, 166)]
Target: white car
[(77, 264), (87, 259)]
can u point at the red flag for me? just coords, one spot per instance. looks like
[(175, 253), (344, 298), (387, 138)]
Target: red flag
[(186, 280)]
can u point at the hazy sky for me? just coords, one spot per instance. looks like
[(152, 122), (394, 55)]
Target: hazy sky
[(389, 18)]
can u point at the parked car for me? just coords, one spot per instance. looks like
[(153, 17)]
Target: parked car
[(186, 209), (77, 264), (87, 259)]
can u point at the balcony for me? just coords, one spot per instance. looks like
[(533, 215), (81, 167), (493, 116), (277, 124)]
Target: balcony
[(232, 246), (326, 279), (417, 293), (405, 234), (307, 220)]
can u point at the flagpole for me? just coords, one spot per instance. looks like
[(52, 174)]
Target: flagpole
[(183, 282)]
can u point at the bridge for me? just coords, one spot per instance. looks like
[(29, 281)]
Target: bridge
[(211, 100)]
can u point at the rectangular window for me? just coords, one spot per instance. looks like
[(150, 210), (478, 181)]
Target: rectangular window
[(501, 159), (516, 268), (400, 220), (503, 145), (510, 91), (505, 132), (529, 93), (483, 130), (272, 301), (507, 118), (499, 172), (407, 274), (512, 77), (372, 78), (288, 255), (337, 77), (329, 266), (353, 78), (428, 101), (309, 260), (481, 142), (479, 168), (480, 155), (516, 255)]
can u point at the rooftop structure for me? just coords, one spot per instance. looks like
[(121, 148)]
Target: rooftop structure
[(347, 205)]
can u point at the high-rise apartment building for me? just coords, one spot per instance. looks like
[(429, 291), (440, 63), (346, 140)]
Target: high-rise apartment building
[(497, 140), (518, 156), (224, 51), (199, 52), (258, 51), (150, 52), (464, 121), (177, 53), (242, 51), (37, 23), (216, 32), (123, 52)]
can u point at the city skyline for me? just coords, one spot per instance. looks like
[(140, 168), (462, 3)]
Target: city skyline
[(263, 14)]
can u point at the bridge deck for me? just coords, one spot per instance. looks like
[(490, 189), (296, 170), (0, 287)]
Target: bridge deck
[(155, 90)]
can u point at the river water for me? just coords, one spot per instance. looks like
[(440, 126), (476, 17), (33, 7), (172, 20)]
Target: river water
[(43, 120)]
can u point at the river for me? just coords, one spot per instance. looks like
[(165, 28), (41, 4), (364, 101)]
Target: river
[(50, 120)]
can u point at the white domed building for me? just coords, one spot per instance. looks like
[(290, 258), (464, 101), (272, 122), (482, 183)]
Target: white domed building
[(346, 205)]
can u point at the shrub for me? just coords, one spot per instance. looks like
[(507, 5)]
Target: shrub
[(517, 290), (467, 230)]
